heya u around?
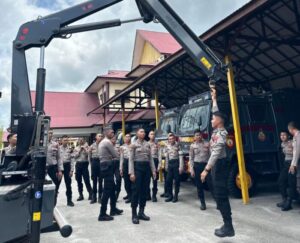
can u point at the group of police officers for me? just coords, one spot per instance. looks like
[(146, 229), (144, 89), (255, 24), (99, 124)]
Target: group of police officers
[(139, 160)]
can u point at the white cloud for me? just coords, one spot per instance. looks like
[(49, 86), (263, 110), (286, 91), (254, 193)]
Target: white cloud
[(72, 64)]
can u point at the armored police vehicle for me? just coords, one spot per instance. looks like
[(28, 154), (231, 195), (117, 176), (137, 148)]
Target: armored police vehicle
[(262, 117)]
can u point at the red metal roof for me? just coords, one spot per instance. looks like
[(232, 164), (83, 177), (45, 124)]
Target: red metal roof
[(163, 42), (69, 109), (115, 74)]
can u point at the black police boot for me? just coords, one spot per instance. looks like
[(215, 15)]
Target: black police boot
[(90, 196), (149, 197), (126, 197), (142, 215), (287, 205), (94, 199), (116, 211), (281, 204), (226, 230), (80, 198), (105, 217), (202, 204), (175, 198), (135, 219), (154, 198), (169, 198), (70, 203)]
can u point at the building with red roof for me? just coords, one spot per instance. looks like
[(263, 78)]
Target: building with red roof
[(68, 110)]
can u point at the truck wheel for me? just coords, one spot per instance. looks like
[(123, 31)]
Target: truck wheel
[(234, 183)]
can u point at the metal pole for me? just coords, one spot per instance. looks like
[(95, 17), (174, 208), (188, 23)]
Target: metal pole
[(237, 132), (123, 119), (157, 123), (40, 84), (156, 108)]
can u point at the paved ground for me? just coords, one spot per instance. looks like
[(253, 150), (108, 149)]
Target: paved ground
[(259, 222)]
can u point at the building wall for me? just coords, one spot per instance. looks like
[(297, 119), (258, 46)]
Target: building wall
[(149, 54)]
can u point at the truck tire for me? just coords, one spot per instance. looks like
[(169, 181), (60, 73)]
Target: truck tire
[(234, 185)]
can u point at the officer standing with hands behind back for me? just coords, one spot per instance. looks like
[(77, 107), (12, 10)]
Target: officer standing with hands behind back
[(219, 167), (124, 157), (68, 163), (95, 168), (140, 165), (174, 166), (107, 153), (198, 156)]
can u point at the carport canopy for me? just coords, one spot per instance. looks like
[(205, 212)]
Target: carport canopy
[(263, 40)]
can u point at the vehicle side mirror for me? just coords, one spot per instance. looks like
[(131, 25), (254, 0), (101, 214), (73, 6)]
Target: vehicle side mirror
[(168, 128)]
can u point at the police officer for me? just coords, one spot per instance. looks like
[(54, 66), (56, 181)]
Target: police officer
[(174, 166), (286, 181), (154, 153), (68, 163), (219, 167), (106, 154), (54, 164), (82, 170), (116, 160), (198, 157), (10, 150), (294, 168), (161, 166), (140, 165), (124, 156), (95, 168)]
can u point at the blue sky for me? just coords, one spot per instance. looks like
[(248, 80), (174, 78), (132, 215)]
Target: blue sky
[(72, 64)]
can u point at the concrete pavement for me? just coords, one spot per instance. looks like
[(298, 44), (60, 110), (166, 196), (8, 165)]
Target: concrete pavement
[(259, 222)]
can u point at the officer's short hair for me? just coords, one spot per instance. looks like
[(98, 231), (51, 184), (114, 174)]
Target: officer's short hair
[(197, 131), (9, 136), (64, 136), (293, 125), (107, 128), (220, 115), (140, 128), (286, 132), (171, 135)]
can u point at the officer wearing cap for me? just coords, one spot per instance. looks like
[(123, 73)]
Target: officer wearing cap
[(53, 163), (124, 156), (107, 153), (174, 166), (219, 167), (140, 165), (95, 168), (68, 164), (198, 157)]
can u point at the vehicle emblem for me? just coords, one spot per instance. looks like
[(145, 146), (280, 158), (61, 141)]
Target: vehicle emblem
[(261, 136)]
